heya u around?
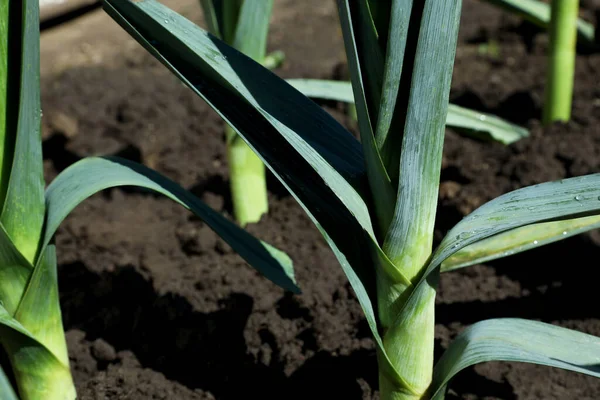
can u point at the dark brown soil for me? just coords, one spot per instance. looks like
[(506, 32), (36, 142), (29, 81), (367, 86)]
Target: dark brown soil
[(156, 306)]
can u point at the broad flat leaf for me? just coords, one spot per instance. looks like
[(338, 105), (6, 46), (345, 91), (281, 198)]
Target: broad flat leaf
[(358, 39), (6, 390), (41, 374), (546, 202), (23, 211), (519, 240), (469, 122), (323, 164), (538, 13), (15, 271), (317, 160), (253, 28), (550, 201), (91, 175), (409, 238), (39, 310), (483, 126), (517, 340)]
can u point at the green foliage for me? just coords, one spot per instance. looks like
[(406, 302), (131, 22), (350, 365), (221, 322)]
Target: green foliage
[(375, 201), (31, 331)]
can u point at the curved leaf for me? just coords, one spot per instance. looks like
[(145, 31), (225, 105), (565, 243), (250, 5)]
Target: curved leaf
[(519, 240), (91, 175), (538, 13), (521, 341), (314, 157), (469, 122), (545, 202)]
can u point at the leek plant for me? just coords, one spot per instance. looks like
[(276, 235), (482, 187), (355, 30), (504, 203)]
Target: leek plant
[(561, 19), (31, 330), (375, 200), (245, 26)]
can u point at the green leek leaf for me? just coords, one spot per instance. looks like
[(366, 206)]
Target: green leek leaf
[(23, 211), (39, 310), (41, 374), (519, 240), (315, 158), (409, 239), (517, 340), (253, 28), (465, 121), (15, 271), (366, 66), (91, 175), (6, 390), (538, 13)]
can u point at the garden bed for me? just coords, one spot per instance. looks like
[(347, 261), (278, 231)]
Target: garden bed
[(156, 306)]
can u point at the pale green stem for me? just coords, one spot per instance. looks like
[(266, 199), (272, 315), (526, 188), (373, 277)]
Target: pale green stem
[(561, 61), (247, 180)]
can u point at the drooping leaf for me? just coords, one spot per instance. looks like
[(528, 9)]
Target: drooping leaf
[(318, 161), (91, 175), (538, 13), (517, 340), (465, 121), (483, 126), (23, 211), (551, 201), (519, 240)]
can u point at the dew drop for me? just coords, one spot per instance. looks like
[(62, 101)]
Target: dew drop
[(166, 21), (535, 242), (482, 117), (564, 233), (578, 198)]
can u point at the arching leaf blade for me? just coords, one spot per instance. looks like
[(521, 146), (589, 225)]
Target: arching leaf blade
[(92, 175), (517, 340), (519, 240), (538, 13), (323, 164), (465, 121)]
